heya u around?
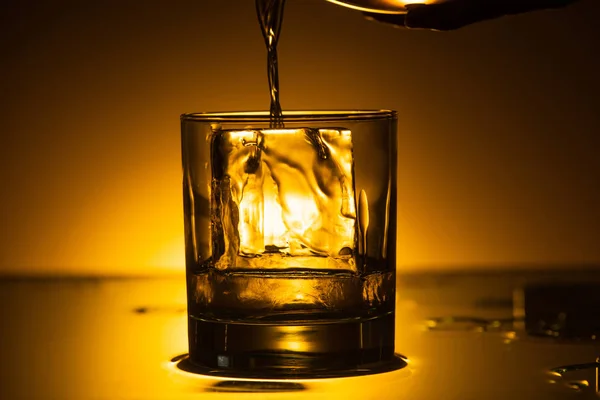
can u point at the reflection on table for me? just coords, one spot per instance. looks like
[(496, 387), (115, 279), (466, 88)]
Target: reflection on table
[(492, 336)]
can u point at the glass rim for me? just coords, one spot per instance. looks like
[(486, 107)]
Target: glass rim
[(291, 115)]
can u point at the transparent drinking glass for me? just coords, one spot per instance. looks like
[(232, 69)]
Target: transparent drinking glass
[(290, 237)]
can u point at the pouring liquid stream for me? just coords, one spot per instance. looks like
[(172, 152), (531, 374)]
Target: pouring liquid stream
[(270, 19)]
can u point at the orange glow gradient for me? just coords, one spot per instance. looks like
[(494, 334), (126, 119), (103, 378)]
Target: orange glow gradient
[(498, 127)]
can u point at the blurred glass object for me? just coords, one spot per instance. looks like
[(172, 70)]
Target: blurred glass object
[(559, 310), (381, 6)]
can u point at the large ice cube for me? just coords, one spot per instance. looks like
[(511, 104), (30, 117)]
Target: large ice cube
[(282, 192)]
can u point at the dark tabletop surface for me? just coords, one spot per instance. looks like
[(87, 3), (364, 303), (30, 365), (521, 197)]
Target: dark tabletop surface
[(510, 335)]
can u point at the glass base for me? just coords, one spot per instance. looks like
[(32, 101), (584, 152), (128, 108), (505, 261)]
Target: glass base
[(314, 349)]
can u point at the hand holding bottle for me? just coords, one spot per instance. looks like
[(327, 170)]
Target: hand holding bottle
[(454, 14)]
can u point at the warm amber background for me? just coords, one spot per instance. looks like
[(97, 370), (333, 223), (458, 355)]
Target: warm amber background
[(499, 126)]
